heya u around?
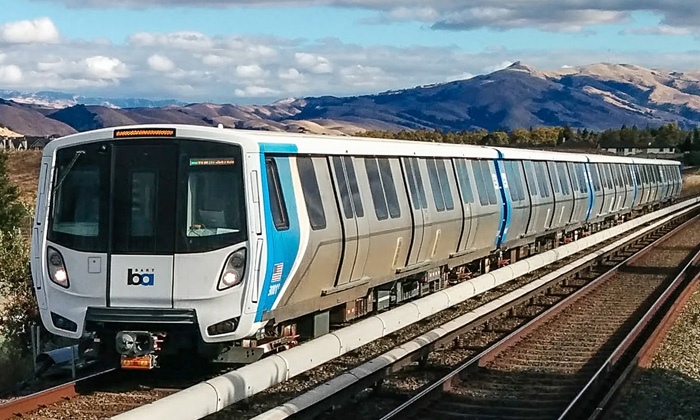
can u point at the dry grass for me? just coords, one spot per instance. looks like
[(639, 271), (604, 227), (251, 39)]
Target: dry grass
[(23, 167)]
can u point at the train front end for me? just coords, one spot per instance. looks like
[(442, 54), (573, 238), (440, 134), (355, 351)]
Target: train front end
[(141, 241)]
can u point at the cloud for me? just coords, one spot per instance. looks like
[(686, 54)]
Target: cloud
[(658, 30), (106, 67), (41, 30), (250, 69), (313, 63), (253, 71), (256, 91), (10, 74), (160, 63), (548, 15)]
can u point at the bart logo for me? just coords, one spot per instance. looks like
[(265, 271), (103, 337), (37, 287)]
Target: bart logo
[(140, 277)]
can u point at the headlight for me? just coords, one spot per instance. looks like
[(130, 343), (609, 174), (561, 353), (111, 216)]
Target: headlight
[(57, 269), (234, 269)]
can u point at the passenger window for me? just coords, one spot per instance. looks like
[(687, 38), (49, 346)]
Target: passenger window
[(435, 185), (575, 185), (635, 168), (594, 177), (464, 181), (419, 183), (389, 188), (583, 182), (354, 190), (542, 179), (342, 187), (553, 176), (514, 181), (274, 191), (530, 177), (445, 184), (488, 181), (375, 186), (312, 194), (563, 178), (480, 184), (412, 183)]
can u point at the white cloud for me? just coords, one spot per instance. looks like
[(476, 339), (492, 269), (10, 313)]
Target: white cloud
[(256, 91), (160, 63), (186, 40), (291, 74), (659, 30), (496, 67), (214, 60), (252, 71), (41, 30), (314, 63), (10, 74), (106, 67)]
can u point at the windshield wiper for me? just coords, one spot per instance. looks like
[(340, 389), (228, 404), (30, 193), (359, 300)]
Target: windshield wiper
[(67, 171)]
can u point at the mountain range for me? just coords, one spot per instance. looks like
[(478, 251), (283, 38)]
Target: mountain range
[(597, 97)]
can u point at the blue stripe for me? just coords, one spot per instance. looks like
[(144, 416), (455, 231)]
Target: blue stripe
[(634, 181), (282, 246), (505, 201), (590, 190)]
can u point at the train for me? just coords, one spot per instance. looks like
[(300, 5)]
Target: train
[(158, 240)]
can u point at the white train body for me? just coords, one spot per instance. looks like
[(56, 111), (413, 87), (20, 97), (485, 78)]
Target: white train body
[(222, 233)]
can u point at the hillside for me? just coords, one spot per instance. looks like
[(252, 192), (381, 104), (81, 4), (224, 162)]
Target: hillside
[(597, 97)]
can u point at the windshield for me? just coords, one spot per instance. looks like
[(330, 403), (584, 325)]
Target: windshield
[(78, 219), (148, 197)]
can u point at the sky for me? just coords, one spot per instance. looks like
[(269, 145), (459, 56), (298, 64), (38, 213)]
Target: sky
[(261, 51)]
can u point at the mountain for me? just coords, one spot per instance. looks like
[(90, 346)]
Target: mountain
[(60, 100), (597, 97)]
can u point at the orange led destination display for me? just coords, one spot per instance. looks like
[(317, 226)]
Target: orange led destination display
[(144, 132), (212, 162)]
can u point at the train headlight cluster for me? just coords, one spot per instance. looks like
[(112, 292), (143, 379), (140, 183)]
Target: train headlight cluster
[(234, 269), (57, 269)]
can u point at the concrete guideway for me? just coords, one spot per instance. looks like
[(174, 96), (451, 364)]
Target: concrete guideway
[(215, 394)]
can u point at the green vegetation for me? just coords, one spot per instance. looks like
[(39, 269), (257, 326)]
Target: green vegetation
[(19, 309), (668, 135)]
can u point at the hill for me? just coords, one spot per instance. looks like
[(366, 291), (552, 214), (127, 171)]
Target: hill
[(597, 97)]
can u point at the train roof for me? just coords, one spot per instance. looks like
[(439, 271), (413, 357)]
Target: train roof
[(341, 145)]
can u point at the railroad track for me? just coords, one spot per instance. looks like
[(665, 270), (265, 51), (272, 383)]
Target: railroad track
[(109, 399), (565, 362), (101, 395)]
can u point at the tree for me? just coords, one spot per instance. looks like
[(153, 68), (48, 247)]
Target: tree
[(20, 310), (12, 211)]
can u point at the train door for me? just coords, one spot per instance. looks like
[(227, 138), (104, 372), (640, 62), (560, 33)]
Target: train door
[(466, 243), (419, 208), (355, 226), (142, 240)]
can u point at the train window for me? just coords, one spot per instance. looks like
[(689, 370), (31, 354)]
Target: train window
[(312, 194), (445, 184), (480, 184), (375, 186), (605, 175), (542, 179), (354, 190), (553, 177), (575, 185), (144, 185), (488, 181), (563, 178), (628, 174), (595, 178), (464, 181), (274, 190), (581, 175), (342, 187), (392, 199), (514, 180), (530, 177), (80, 199), (435, 185), (635, 169), (412, 183), (419, 183)]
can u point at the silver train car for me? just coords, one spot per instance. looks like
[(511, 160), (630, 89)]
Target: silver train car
[(156, 240)]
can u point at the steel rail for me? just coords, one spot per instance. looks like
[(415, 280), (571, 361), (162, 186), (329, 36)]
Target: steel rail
[(447, 381), (22, 405)]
